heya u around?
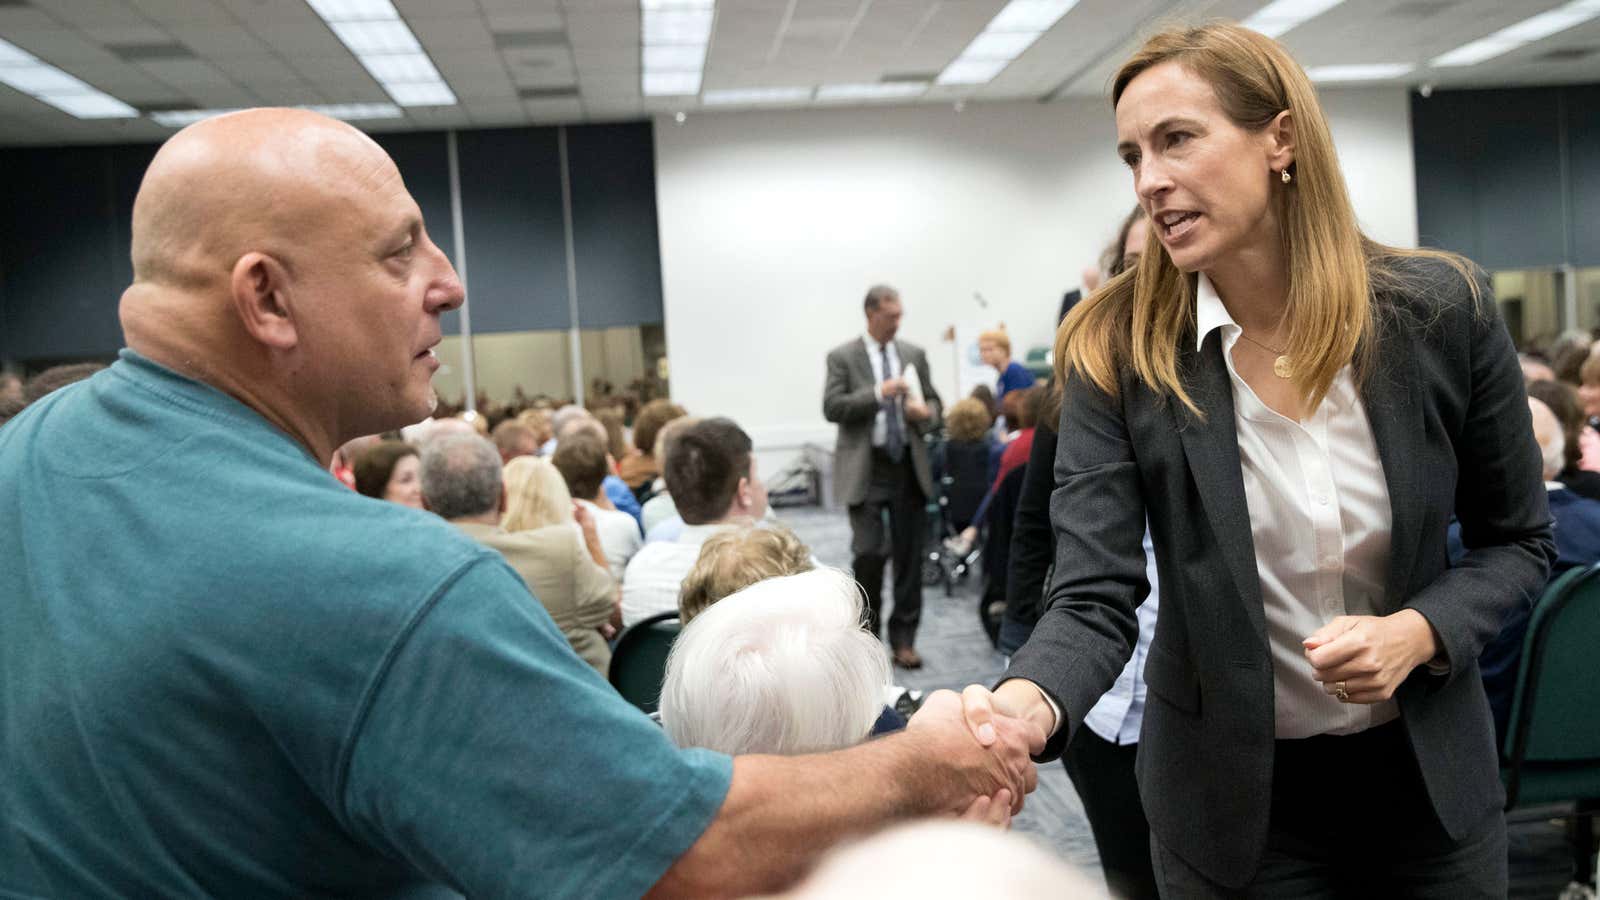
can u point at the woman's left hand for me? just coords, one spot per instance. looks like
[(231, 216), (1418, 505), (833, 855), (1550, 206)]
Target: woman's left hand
[(1369, 656)]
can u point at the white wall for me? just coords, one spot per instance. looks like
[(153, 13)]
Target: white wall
[(774, 224)]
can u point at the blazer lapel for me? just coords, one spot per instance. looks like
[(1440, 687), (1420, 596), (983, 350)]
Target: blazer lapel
[(1389, 395), (1212, 448), (864, 363)]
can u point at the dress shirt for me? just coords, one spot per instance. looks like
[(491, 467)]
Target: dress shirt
[(880, 427), (655, 574), (1119, 712), (1321, 541)]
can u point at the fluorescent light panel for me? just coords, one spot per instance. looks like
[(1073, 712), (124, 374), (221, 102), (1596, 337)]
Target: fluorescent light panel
[(885, 90), (754, 96), (1534, 28), (48, 84), (386, 46), (1281, 16), (675, 35), (350, 112), (1360, 72), (1007, 36)]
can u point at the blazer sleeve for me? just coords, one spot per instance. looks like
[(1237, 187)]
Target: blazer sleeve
[(1089, 626), (840, 404), (930, 395), (1500, 502), (1031, 538)]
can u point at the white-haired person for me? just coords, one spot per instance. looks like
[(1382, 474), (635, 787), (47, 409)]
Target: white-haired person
[(933, 858), (784, 666)]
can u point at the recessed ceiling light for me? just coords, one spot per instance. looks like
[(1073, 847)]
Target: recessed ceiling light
[(385, 45), (1534, 28), (424, 93), (1030, 15), (753, 96), (48, 84), (1281, 16), (1006, 45), (401, 67), (872, 91), (353, 10), (675, 57), (350, 112), (1359, 72), (972, 71), (670, 84), (677, 26)]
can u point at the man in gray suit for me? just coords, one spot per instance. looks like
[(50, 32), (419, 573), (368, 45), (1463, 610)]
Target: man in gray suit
[(880, 395)]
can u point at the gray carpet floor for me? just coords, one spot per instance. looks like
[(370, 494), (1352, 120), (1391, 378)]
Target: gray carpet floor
[(957, 653)]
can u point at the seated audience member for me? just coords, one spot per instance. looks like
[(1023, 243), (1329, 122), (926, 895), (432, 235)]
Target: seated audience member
[(935, 858), (559, 420), (641, 467), (1577, 534), (1567, 355), (1013, 455), (985, 395), (537, 496), (343, 466), (513, 439), (461, 482), (374, 708), (659, 515), (733, 560), (964, 459), (994, 348), (712, 474), (582, 461), (1535, 368), (1589, 386), (388, 470), (1563, 401), (617, 493), (783, 666), (538, 422), (611, 419)]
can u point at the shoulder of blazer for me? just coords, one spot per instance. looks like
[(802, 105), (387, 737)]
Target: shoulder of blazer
[(1429, 298), (849, 347), (909, 351)]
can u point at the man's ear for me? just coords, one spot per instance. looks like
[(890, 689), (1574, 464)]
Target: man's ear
[(259, 287), (744, 494), (1280, 134)]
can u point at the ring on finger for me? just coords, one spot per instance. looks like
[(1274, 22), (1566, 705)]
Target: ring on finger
[(1340, 692)]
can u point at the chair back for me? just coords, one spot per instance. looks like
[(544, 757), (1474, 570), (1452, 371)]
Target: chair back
[(639, 660), (1552, 749), (967, 467)]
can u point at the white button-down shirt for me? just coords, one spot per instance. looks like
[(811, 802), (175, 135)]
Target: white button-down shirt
[(1320, 518), (880, 427), (1119, 712)]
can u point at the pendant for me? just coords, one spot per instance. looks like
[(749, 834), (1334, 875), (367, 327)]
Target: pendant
[(1281, 367)]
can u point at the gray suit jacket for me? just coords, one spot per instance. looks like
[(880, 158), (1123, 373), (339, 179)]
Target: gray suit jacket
[(1451, 423), (848, 401)]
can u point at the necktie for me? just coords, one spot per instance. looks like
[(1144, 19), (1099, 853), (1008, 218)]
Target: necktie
[(894, 438)]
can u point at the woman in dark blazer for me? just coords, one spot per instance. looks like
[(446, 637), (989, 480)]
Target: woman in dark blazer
[(1298, 411)]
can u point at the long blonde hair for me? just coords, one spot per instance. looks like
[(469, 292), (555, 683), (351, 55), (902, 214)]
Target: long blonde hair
[(536, 495), (1138, 318)]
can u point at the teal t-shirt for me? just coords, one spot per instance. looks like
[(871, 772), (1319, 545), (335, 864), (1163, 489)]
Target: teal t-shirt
[(224, 674)]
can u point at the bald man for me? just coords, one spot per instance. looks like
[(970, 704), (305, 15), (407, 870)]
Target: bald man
[(226, 675)]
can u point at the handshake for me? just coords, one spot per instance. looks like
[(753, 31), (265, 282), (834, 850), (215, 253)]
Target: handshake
[(976, 748)]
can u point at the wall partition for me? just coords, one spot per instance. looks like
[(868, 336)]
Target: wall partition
[(553, 229), (1511, 179)]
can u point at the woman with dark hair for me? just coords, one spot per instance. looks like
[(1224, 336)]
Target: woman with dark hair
[(1293, 411), (388, 470)]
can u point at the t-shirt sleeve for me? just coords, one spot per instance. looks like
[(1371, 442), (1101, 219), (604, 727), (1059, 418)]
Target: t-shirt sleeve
[(494, 760)]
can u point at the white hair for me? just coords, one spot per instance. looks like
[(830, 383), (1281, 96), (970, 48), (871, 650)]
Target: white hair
[(936, 858), (1552, 439), (783, 666)]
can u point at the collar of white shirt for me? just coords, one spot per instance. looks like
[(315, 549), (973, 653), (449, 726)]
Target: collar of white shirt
[(1209, 312), (872, 345)]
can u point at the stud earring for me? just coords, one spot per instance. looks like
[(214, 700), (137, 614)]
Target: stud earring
[(1287, 177)]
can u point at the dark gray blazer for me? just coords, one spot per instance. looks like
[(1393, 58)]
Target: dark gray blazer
[(1451, 423), (848, 401)]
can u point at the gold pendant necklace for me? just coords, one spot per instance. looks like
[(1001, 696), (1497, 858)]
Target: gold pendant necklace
[(1280, 366)]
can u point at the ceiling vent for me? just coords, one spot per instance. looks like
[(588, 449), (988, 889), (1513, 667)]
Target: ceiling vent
[(512, 40), (150, 52), (556, 93)]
